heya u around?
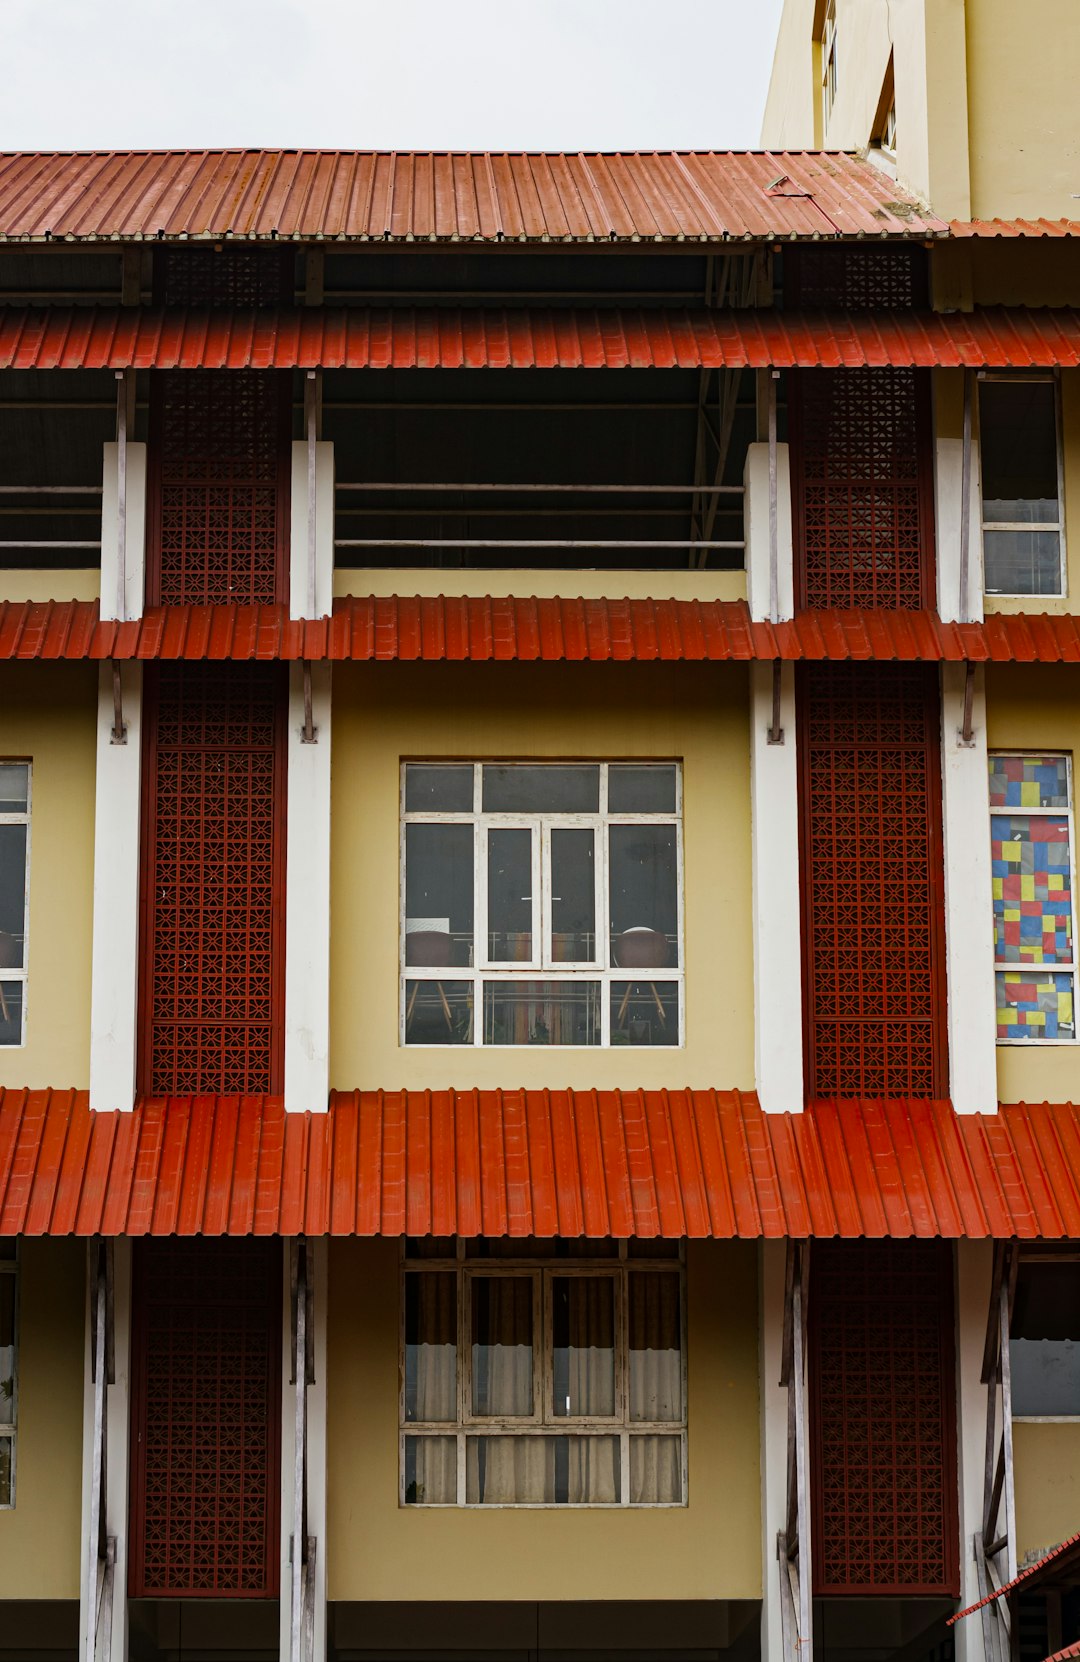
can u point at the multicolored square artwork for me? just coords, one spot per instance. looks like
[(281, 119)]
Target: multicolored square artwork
[(1032, 888), (1034, 1005), (1029, 781)]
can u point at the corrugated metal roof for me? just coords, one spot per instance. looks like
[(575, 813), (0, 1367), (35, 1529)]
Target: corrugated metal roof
[(1067, 1654), (1015, 227), (518, 1163), (97, 337), (452, 196), (1032, 1572), (482, 629)]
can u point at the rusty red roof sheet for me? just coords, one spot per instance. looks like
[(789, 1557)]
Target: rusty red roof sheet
[(1014, 227), (452, 196), (103, 337), (482, 629), (514, 1162), (1067, 1654), (1030, 1573)]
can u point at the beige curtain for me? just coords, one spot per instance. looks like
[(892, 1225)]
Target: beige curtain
[(655, 1386), (431, 1382), (503, 1471), (594, 1461), (655, 1470)]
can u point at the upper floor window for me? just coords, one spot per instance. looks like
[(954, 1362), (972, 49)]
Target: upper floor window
[(828, 60), (1044, 1335), (1023, 522), (542, 904), (1031, 831), (543, 1373), (9, 1310), (14, 898)]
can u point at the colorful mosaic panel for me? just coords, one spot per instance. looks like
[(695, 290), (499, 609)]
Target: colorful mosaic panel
[(1032, 889), (1031, 1005), (1029, 782)]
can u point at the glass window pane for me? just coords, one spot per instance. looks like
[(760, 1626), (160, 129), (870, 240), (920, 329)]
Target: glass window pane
[(14, 787), (11, 1012), (583, 1341), (573, 896), (438, 789), (1032, 887), (1022, 562), (588, 1471), (655, 1350), (644, 1013), (644, 896), (541, 1012), (566, 1471), (641, 790), (656, 1471), (510, 897), (431, 1347), (1029, 781), (1033, 1004), (1045, 1376), (1018, 450), (431, 1471), (7, 1349), (502, 1345), (438, 895), (12, 895), (541, 790), (438, 1012), (7, 1446)]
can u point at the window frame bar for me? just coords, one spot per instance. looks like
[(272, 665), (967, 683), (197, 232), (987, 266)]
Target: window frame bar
[(1029, 527)]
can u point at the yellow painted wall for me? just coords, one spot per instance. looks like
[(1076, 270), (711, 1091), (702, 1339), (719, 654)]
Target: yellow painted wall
[(48, 714), (592, 585), (384, 713), (39, 1536), (24, 584), (792, 119), (1046, 1457), (709, 1549), (1032, 707)]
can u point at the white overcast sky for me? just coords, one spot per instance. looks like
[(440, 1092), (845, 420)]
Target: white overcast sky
[(385, 74)]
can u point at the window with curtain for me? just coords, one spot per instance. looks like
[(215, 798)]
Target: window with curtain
[(1031, 851), (9, 1312), (14, 898), (541, 904), (1022, 495), (543, 1374), (1044, 1334)]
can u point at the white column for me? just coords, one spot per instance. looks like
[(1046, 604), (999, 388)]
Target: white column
[(948, 500), (774, 1409), (974, 1265), (302, 529), (119, 1406), (114, 972), (318, 1259), (969, 936), (123, 532), (774, 828), (307, 897), (759, 535)]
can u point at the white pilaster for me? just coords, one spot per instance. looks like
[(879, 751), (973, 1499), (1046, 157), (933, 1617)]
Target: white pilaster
[(300, 573), (774, 823), (756, 515), (974, 1264), (318, 1259), (307, 897), (117, 813), (969, 935), (774, 1410), (948, 495), (128, 527), (116, 1482)]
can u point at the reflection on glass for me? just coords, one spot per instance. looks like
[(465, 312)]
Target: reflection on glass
[(438, 895), (502, 1345), (641, 790), (11, 1003), (1045, 1377), (510, 900), (655, 1471), (573, 896), (541, 1012), (559, 1471), (1022, 562), (14, 787), (6, 1444), (655, 1365), (541, 790), (430, 1471), (644, 1013), (445, 790), (644, 896), (438, 1012), (1018, 450), (583, 1345), (431, 1347), (12, 895)]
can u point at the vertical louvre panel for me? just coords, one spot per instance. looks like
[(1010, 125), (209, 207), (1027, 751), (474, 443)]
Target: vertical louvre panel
[(874, 981), (206, 1363), (883, 1433), (214, 842)]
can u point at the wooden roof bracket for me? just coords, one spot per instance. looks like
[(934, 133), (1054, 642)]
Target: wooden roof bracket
[(118, 734)]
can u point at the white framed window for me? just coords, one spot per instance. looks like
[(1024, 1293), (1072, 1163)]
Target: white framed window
[(541, 904), (828, 60), (542, 1373), (1023, 521), (1034, 896), (14, 898), (9, 1372), (1044, 1333)]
